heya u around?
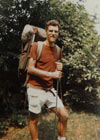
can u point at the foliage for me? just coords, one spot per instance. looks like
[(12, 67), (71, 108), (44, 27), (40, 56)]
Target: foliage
[(80, 126), (17, 120), (80, 48), (3, 126), (78, 39)]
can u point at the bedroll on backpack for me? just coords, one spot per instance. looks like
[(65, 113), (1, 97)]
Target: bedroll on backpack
[(30, 34)]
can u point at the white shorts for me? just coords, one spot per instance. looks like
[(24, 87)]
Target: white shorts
[(38, 97)]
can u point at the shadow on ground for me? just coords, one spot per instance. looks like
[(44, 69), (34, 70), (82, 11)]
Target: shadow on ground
[(47, 130)]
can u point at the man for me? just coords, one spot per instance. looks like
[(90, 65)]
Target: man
[(40, 85)]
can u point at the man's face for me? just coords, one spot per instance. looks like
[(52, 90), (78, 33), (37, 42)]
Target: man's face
[(52, 33)]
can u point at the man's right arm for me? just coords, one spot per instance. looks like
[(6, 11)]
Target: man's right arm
[(41, 73)]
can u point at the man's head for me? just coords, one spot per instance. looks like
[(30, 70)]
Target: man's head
[(52, 23), (52, 30)]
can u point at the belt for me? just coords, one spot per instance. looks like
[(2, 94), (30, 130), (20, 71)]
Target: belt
[(37, 87)]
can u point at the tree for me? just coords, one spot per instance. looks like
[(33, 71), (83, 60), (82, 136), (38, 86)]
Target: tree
[(80, 48), (78, 40)]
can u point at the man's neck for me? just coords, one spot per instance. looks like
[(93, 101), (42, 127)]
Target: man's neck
[(50, 44)]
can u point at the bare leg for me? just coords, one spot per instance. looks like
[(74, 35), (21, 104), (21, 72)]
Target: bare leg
[(34, 119), (62, 121)]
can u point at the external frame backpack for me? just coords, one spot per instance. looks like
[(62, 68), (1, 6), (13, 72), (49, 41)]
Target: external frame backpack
[(30, 35)]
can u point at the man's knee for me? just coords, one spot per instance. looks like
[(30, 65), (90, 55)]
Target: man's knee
[(63, 115)]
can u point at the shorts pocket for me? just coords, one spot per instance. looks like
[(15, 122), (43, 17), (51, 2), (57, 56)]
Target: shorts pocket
[(33, 100)]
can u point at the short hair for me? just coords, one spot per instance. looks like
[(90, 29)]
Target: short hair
[(53, 23)]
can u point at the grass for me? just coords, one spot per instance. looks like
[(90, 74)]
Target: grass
[(82, 125)]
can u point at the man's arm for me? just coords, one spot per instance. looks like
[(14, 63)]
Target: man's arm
[(41, 73)]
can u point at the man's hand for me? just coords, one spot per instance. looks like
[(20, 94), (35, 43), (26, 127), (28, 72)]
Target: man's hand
[(59, 66), (55, 75)]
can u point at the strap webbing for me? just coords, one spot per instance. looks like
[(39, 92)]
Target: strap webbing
[(39, 48)]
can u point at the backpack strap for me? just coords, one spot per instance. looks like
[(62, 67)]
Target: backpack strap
[(39, 48), (58, 52)]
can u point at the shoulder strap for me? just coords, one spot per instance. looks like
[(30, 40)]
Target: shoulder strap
[(58, 52), (39, 48), (33, 39)]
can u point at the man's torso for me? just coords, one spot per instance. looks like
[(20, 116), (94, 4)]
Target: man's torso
[(46, 62)]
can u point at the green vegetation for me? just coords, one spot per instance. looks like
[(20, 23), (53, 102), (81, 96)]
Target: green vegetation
[(78, 39), (81, 49), (81, 126)]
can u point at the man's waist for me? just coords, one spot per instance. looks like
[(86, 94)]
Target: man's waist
[(39, 87)]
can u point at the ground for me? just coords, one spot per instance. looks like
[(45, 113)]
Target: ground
[(82, 125)]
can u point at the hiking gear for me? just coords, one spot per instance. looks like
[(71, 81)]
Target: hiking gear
[(59, 89), (56, 109), (29, 30), (30, 35)]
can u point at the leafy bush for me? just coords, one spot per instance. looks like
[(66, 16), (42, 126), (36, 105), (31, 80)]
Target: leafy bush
[(18, 120), (80, 43), (78, 39), (3, 126)]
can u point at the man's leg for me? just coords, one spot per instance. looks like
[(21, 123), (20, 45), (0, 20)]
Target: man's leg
[(62, 121), (34, 119)]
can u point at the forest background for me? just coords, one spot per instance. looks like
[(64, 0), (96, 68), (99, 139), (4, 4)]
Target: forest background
[(79, 40)]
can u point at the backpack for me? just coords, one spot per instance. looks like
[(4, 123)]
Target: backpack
[(30, 35)]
